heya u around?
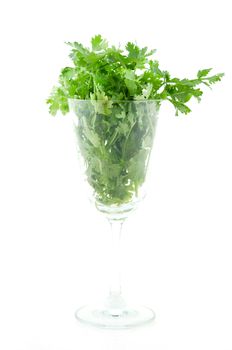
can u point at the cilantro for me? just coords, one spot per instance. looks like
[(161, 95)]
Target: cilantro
[(115, 137), (98, 44)]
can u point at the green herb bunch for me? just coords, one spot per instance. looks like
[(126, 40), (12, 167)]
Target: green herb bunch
[(115, 136), (104, 71)]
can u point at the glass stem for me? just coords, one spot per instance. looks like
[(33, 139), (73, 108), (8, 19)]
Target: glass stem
[(115, 273)]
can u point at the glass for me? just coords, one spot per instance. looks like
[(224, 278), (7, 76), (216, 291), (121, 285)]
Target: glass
[(114, 142)]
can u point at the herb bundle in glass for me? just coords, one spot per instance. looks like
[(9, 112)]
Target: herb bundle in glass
[(114, 95)]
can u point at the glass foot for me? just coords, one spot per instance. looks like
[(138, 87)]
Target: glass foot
[(115, 316)]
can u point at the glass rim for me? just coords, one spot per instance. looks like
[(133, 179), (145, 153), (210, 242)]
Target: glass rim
[(112, 100)]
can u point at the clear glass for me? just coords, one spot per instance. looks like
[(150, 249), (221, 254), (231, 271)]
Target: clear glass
[(114, 142)]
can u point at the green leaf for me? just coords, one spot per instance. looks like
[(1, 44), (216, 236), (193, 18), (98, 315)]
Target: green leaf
[(203, 73), (132, 87), (133, 50), (181, 107), (137, 166), (78, 47), (54, 106), (215, 78), (98, 43), (130, 75), (91, 136)]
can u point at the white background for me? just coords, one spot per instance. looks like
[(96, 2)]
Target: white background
[(53, 245)]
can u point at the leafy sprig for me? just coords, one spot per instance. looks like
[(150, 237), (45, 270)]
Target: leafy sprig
[(129, 74)]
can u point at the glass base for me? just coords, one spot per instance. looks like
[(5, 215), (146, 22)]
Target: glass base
[(116, 315)]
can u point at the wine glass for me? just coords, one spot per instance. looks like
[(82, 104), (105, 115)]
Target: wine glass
[(114, 142)]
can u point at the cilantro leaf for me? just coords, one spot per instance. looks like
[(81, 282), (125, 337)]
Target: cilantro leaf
[(204, 72), (98, 43)]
